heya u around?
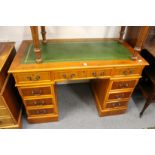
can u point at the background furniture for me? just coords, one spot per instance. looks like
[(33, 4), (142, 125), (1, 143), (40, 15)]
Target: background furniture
[(112, 66), (10, 108), (147, 83)]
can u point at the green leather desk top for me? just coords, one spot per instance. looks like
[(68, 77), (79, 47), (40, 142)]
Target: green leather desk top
[(78, 51)]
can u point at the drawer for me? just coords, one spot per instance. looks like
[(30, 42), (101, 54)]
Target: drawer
[(40, 111), (123, 84), (36, 102), (32, 77), (37, 91), (127, 71), (119, 95), (62, 75), (6, 121), (4, 112), (99, 73), (117, 104)]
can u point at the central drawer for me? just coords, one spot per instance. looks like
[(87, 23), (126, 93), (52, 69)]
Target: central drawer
[(36, 102), (78, 74), (43, 111), (119, 96), (98, 73), (36, 91)]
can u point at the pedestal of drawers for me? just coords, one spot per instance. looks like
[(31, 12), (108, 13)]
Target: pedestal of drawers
[(118, 93), (40, 102)]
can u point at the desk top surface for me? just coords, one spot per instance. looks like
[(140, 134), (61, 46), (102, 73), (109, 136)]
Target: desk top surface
[(63, 54), (78, 51)]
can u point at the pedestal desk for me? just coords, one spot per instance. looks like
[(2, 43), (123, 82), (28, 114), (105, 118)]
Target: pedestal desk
[(106, 62)]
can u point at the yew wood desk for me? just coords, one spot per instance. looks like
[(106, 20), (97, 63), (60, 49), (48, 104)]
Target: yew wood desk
[(106, 62)]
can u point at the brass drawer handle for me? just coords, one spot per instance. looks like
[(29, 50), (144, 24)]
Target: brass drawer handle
[(94, 74), (43, 111), (36, 93), (131, 71), (72, 75), (120, 85), (126, 85), (36, 78), (39, 103), (64, 76), (113, 104), (119, 104), (119, 95), (125, 72), (102, 73)]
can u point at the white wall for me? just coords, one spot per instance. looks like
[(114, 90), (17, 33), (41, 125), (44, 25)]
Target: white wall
[(19, 33)]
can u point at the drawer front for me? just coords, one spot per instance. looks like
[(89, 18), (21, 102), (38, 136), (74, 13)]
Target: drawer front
[(123, 84), (32, 77), (4, 112), (36, 91), (127, 71), (67, 75), (92, 73), (6, 121), (117, 104), (41, 111), (119, 95), (99, 73), (36, 102)]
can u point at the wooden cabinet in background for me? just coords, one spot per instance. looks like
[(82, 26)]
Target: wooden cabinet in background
[(10, 108)]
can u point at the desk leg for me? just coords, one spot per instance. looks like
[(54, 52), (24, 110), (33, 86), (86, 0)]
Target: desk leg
[(34, 31)]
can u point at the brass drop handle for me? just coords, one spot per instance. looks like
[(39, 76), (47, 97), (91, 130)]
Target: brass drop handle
[(131, 71), (36, 78), (94, 74), (119, 95), (43, 111), (125, 72), (64, 76), (102, 73), (39, 103), (113, 105), (35, 93), (29, 78), (120, 85), (126, 85), (72, 75), (119, 104)]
